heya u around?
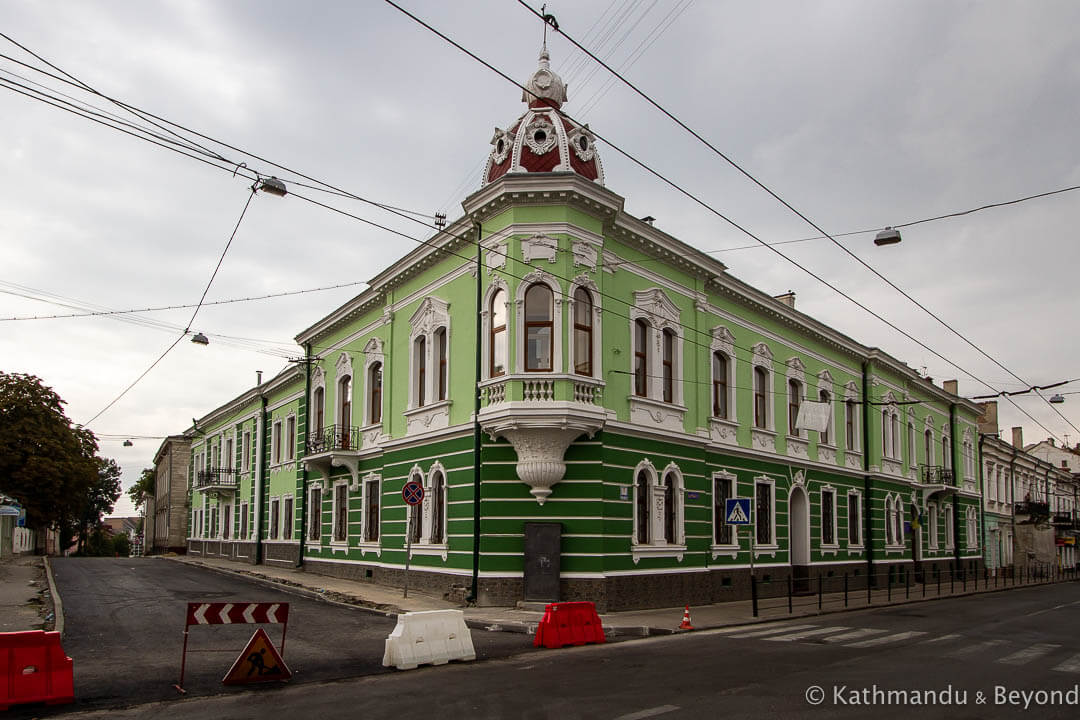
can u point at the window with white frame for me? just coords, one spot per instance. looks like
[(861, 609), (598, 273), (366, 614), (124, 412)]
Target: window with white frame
[(314, 528), (583, 332), (895, 425), (428, 337), (932, 524), (723, 374), (290, 438), (912, 448), (318, 410), (275, 517), (641, 358), (244, 526), (950, 538), (414, 512), (498, 356), (723, 489), (419, 371), (898, 520), (659, 511), (761, 397), (371, 518), (340, 529), (436, 500), (230, 456), (946, 452), (674, 511), (287, 517), (374, 393), (794, 400), (539, 327), (890, 536), (720, 374), (642, 506), (440, 364), (245, 458), (764, 509), (824, 436), (657, 337), (226, 522), (928, 447), (828, 517), (854, 518), (275, 442), (971, 528)]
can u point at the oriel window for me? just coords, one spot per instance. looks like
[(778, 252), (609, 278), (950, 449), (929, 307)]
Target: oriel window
[(583, 332), (539, 329)]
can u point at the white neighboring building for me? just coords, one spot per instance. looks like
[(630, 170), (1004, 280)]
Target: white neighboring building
[(1064, 495)]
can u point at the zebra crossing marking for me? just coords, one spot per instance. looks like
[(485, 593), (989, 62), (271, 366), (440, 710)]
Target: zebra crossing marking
[(975, 649), (1023, 657), (853, 635), (772, 631), (799, 635), (896, 637)]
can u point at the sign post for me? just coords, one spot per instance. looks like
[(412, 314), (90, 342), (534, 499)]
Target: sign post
[(413, 494), (736, 513)]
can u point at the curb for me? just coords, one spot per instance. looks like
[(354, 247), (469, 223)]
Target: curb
[(58, 605)]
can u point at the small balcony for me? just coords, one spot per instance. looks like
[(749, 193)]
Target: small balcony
[(1033, 509), (216, 480), (334, 438), (936, 475), (1063, 520)]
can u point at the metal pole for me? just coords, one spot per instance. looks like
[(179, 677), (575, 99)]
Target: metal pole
[(183, 662), (410, 509), (820, 580), (907, 585), (789, 583), (474, 589), (753, 594), (845, 589)]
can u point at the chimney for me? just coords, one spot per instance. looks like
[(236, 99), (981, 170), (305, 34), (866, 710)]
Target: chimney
[(1018, 438), (950, 386), (1051, 441), (787, 298), (258, 377), (988, 421)]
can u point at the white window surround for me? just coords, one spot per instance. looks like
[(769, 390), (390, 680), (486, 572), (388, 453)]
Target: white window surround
[(230, 449), (374, 353), (277, 457), (851, 393), (796, 370), (497, 283), (932, 525), (657, 547), (426, 546), (825, 382), (723, 341), (950, 531), (946, 442), (314, 513), (928, 427), (585, 282), (318, 382), (370, 482), (859, 520), (659, 313), (343, 367), (431, 315), (415, 513), (773, 545), (274, 507), (835, 544), (763, 438), (289, 438), (890, 541), (245, 452), (558, 299), (336, 544), (971, 526), (730, 549), (286, 519)]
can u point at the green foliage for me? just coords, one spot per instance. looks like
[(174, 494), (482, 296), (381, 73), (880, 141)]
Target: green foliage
[(49, 465), (121, 545), (143, 488)]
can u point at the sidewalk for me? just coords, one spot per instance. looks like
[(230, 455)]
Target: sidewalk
[(22, 582), (634, 623)]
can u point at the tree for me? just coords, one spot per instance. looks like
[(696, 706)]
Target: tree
[(99, 496), (143, 488)]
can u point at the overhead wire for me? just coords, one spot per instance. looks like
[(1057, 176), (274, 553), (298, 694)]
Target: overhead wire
[(790, 207)]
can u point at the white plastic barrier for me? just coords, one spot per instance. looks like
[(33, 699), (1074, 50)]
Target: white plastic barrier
[(434, 637)]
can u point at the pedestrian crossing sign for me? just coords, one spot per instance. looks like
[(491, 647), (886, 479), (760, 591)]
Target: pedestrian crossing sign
[(737, 511), (260, 662)]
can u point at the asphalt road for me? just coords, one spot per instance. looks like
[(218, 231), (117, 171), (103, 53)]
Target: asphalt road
[(125, 623), (1023, 641)]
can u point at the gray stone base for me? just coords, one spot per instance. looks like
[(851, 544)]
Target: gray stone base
[(236, 550)]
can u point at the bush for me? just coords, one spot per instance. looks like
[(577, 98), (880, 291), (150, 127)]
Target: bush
[(121, 545)]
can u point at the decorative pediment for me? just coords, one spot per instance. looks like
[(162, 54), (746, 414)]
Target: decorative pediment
[(344, 365), (722, 335), (655, 304), (762, 354), (889, 398), (799, 480), (374, 346), (825, 381), (851, 392), (539, 246), (318, 377), (432, 314)]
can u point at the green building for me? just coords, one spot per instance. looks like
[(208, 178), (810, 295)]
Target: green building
[(628, 385)]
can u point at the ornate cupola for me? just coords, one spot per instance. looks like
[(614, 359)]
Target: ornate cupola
[(543, 139)]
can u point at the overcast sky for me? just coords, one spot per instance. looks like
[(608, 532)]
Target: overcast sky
[(860, 114)]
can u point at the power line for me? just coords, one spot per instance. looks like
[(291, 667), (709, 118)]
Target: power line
[(783, 202), (699, 201)]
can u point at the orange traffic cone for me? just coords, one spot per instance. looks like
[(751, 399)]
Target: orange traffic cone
[(685, 625)]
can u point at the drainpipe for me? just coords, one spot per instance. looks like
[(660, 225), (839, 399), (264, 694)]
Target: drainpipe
[(260, 473), (956, 483), (1012, 506), (474, 589), (869, 544), (306, 401), (982, 499)]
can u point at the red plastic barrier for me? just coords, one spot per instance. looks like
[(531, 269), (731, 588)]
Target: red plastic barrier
[(569, 623), (34, 668)]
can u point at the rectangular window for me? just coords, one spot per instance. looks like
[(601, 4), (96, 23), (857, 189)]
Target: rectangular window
[(949, 538), (243, 521), (763, 510), (275, 508), (245, 459), (669, 365), (371, 511), (828, 517), (854, 528), (849, 424), (226, 522), (722, 490), (290, 438), (287, 518), (761, 378), (720, 385), (230, 458), (341, 513), (214, 529), (315, 515), (794, 397), (275, 442)]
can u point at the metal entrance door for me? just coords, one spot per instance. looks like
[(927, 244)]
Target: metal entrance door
[(543, 547)]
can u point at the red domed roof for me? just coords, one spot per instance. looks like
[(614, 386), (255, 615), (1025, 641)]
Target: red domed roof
[(543, 140)]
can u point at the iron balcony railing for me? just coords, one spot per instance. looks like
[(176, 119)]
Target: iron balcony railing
[(1033, 508), (216, 478), (937, 475), (333, 437), (1063, 519)]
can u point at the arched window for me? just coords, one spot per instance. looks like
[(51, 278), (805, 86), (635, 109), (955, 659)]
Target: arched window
[(641, 358), (898, 521), (375, 393), (420, 360), (946, 455), (824, 397), (669, 365), (440, 357), (849, 424), (641, 490), (928, 447), (344, 411), (497, 361), (415, 513), (885, 444), (719, 385), (888, 521), (318, 402), (438, 509), (895, 436), (539, 328), (669, 508), (761, 382), (794, 388), (583, 332)]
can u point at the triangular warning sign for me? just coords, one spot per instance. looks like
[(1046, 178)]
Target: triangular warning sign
[(260, 662), (737, 516)]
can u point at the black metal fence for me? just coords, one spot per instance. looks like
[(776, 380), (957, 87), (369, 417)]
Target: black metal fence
[(216, 477), (334, 437)]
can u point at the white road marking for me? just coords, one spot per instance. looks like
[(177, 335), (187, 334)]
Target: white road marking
[(853, 635), (805, 634), (896, 637), (1071, 665), (772, 631), (942, 638), (651, 712), (1023, 657), (975, 649)]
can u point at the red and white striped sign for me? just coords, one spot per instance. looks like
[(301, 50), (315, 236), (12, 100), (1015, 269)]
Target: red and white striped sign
[(236, 613)]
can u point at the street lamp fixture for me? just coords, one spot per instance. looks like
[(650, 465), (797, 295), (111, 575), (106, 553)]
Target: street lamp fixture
[(128, 443), (1057, 398), (273, 186), (200, 339), (888, 236)]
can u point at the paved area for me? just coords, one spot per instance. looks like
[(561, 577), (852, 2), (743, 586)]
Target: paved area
[(22, 584)]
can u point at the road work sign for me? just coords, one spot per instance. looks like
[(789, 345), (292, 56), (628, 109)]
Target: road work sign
[(258, 663), (737, 511)]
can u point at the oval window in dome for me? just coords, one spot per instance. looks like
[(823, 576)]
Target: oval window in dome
[(540, 137), (583, 143), (500, 147)]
